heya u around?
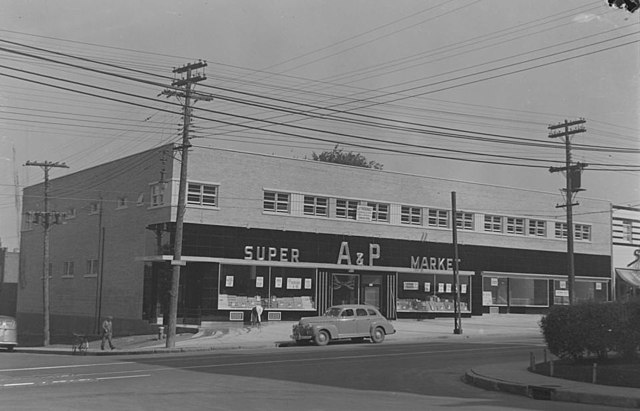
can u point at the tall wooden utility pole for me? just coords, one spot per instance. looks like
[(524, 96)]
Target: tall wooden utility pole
[(457, 321), (46, 219), (572, 173), (177, 262)]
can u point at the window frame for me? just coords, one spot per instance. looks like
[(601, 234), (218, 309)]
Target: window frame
[(537, 228), (311, 206), (582, 232), (348, 211), (465, 221), (197, 195), (515, 225), (91, 267), (493, 223), (410, 215), (157, 197), (378, 214), (436, 219), (68, 269), (561, 231), (275, 204)]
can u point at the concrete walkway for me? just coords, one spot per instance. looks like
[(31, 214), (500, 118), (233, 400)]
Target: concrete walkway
[(513, 378)]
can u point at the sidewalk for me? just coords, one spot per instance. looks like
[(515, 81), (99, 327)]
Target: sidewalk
[(513, 378)]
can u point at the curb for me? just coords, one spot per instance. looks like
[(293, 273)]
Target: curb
[(549, 392)]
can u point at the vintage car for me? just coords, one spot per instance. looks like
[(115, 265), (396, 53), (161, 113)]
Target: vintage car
[(355, 321), (8, 332)]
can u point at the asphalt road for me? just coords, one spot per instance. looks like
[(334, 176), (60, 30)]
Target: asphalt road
[(365, 376)]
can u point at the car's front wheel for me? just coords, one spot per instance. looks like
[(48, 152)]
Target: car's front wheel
[(322, 338), (377, 335)]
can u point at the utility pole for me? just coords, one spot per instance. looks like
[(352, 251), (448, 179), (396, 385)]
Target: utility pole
[(46, 218), (177, 262), (457, 321), (572, 173)]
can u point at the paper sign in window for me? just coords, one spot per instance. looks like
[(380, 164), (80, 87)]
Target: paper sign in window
[(307, 283), (229, 281), (427, 287), (278, 282), (259, 282)]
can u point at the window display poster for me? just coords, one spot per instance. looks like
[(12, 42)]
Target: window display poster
[(259, 282), (229, 281), (494, 282), (307, 283), (440, 287), (448, 287), (410, 285), (427, 287), (562, 293), (294, 283), (563, 284), (487, 298), (278, 282), (463, 288), (598, 286)]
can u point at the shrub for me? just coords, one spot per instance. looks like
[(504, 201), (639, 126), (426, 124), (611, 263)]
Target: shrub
[(571, 332)]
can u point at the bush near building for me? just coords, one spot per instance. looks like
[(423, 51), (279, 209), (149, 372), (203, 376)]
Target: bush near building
[(593, 329)]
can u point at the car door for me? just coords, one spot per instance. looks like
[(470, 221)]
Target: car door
[(347, 323), (363, 321)]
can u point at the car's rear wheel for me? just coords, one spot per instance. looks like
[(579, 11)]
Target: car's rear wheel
[(377, 335), (322, 338)]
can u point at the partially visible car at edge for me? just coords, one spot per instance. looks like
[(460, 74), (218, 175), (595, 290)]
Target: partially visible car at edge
[(354, 321), (8, 332)]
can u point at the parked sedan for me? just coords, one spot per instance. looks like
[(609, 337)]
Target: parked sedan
[(355, 321), (8, 332)]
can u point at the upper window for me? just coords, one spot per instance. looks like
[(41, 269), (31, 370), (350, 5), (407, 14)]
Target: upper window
[(157, 194), (94, 208), (515, 225), (202, 194), (67, 269), (122, 202), (493, 223), (316, 206), (346, 209), (276, 202), (438, 218), (92, 267), (464, 221), (627, 231), (561, 230), (582, 232), (411, 215), (538, 228), (380, 212)]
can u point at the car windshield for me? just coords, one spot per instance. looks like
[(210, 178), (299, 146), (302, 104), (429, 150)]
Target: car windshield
[(333, 312)]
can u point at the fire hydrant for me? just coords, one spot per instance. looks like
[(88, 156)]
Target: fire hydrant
[(161, 333)]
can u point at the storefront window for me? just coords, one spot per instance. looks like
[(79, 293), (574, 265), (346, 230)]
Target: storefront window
[(292, 289), (244, 287), (431, 293), (584, 291), (345, 289), (529, 292), (495, 291)]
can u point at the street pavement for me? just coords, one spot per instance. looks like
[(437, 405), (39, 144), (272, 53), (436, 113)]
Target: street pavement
[(512, 328)]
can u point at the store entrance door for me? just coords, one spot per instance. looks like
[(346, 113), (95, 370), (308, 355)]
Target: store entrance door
[(372, 290)]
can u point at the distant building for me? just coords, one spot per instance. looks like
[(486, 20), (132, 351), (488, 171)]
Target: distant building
[(626, 251), (297, 236), (9, 265)]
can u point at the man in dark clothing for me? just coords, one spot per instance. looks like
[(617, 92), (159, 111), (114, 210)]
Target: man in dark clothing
[(107, 332)]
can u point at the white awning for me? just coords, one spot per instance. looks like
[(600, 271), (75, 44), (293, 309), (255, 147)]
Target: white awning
[(630, 275)]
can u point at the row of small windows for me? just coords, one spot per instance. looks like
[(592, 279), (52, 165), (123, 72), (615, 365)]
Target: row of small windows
[(279, 202), (68, 268)]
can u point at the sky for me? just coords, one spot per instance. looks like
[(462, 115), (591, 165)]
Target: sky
[(460, 89)]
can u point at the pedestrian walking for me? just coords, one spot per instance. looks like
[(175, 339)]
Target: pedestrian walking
[(256, 314), (107, 332)]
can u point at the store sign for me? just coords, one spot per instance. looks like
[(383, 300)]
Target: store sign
[(344, 255), (432, 263), (262, 253)]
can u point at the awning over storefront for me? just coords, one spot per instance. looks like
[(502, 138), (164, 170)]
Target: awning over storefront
[(630, 275)]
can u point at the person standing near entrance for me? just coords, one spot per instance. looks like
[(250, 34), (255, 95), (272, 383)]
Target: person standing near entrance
[(256, 315), (107, 332)]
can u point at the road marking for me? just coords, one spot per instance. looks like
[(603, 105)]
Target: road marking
[(123, 376), (17, 384), (53, 367)]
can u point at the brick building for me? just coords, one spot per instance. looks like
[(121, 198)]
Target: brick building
[(297, 236)]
